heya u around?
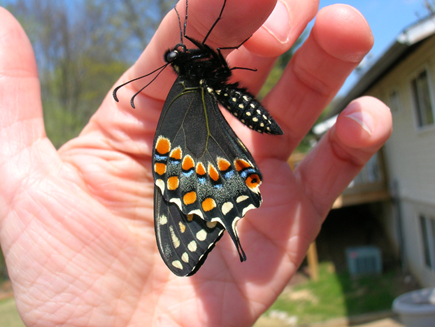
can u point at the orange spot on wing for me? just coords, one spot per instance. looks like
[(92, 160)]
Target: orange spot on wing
[(214, 175), (208, 204), (241, 164), (160, 168), (176, 153), (163, 145), (253, 181), (223, 164), (200, 169), (173, 183), (188, 163), (189, 198)]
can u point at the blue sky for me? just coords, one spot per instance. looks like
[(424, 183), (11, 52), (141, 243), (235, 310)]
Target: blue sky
[(387, 18)]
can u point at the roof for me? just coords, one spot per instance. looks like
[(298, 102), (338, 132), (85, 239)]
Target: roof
[(407, 41)]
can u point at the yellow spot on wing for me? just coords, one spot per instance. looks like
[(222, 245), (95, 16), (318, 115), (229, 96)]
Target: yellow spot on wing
[(182, 227)]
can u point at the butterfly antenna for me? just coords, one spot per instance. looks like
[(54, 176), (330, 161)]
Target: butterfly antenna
[(162, 68), (185, 23), (137, 78), (179, 24)]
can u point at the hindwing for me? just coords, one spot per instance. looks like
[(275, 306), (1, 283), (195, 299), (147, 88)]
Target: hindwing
[(200, 168), (183, 241)]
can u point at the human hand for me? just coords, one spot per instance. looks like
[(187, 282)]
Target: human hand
[(76, 224)]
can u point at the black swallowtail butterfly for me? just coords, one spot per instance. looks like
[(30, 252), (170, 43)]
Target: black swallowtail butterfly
[(205, 178)]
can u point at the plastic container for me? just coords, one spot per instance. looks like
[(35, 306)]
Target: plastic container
[(417, 308)]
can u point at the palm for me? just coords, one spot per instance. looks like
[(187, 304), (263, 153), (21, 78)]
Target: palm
[(77, 228)]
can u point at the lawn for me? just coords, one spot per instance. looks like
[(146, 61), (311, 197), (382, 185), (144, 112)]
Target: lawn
[(9, 314), (337, 295)]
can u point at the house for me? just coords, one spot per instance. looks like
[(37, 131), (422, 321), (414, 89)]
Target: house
[(404, 78)]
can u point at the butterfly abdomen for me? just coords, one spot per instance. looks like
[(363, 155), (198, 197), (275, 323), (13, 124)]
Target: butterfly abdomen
[(246, 108)]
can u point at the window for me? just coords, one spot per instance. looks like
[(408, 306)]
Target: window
[(422, 101), (428, 237), (394, 101)]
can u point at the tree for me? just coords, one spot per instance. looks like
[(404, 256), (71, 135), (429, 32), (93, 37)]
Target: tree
[(82, 47), (430, 6)]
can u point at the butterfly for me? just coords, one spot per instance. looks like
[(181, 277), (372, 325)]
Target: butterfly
[(205, 178)]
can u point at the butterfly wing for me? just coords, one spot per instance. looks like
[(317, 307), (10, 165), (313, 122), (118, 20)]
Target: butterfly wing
[(202, 169), (183, 241)]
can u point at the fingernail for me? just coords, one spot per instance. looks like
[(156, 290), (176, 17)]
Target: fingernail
[(278, 23), (364, 119)]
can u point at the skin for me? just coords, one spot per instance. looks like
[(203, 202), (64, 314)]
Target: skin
[(76, 225)]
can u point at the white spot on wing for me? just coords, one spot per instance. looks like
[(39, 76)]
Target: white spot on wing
[(234, 226), (161, 185), (226, 207), (242, 198), (174, 238), (185, 257), (192, 246), (177, 264), (249, 207), (196, 212), (201, 235), (163, 220), (177, 201)]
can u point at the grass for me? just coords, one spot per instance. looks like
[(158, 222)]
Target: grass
[(9, 314), (337, 295)]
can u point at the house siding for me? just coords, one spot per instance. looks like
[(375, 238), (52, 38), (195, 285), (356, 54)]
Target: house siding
[(410, 156)]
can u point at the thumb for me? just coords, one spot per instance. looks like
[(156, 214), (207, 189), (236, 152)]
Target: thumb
[(21, 122)]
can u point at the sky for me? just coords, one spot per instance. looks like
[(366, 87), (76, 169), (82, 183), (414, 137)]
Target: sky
[(387, 19)]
